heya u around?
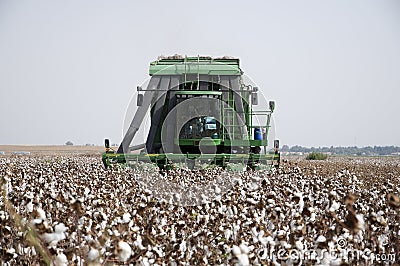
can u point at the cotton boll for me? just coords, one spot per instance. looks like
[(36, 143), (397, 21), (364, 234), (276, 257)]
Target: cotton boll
[(12, 252), (61, 260), (126, 218), (236, 250), (139, 244), (263, 240), (301, 201), (93, 255), (334, 207), (255, 234), (182, 246), (60, 228), (124, 251), (29, 207), (227, 234), (312, 217), (299, 245), (243, 259), (57, 236), (41, 213), (361, 223), (244, 248), (135, 229)]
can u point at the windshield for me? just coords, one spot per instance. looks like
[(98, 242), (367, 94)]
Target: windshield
[(200, 127)]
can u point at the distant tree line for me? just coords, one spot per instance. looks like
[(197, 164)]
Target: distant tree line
[(69, 143), (360, 151)]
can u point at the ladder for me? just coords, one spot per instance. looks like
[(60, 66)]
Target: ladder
[(229, 116)]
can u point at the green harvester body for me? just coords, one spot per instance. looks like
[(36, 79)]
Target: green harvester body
[(214, 124)]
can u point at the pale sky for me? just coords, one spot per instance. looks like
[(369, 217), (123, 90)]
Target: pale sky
[(69, 68)]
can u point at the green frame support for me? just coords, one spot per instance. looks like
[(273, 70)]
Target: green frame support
[(254, 161)]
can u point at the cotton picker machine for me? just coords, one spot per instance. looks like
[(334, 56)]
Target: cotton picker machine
[(202, 115)]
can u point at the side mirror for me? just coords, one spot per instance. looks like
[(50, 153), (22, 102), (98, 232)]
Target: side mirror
[(107, 143), (276, 143), (272, 105), (276, 146), (139, 100), (254, 98)]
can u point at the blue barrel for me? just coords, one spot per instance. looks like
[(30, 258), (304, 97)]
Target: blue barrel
[(258, 134)]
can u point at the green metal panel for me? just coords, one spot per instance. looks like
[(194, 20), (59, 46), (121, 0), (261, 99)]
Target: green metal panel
[(243, 142), (195, 65), (195, 142), (254, 142), (198, 92)]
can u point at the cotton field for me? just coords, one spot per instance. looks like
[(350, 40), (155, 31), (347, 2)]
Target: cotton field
[(69, 210)]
